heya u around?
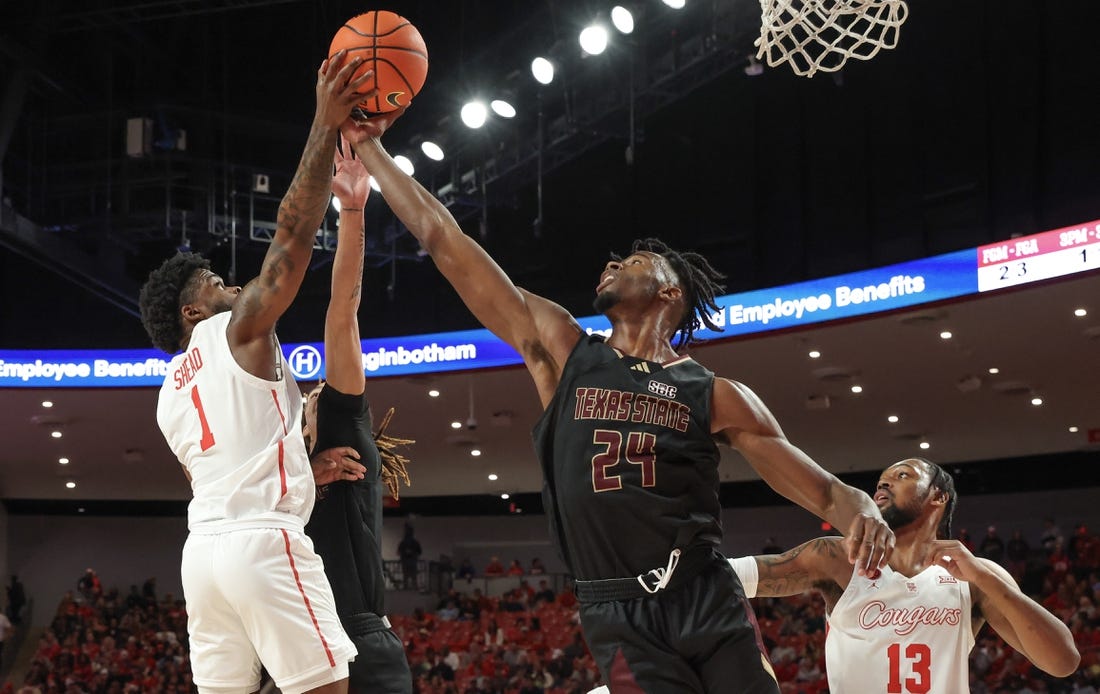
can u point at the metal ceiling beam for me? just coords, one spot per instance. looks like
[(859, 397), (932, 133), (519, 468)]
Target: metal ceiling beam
[(152, 11)]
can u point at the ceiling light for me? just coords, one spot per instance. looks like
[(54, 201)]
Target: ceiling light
[(543, 70), (502, 108), (492, 477), (335, 203), (475, 452), (1073, 430), (857, 389), (675, 4), (504, 496), (456, 425), (55, 434), (405, 164), (814, 354), (374, 184), (593, 39), (70, 485), (893, 419), (47, 403), (80, 510), (433, 393), (994, 370), (622, 19), (1080, 313), (1036, 401), (63, 461), (946, 335), (474, 114), (925, 445), (431, 150)]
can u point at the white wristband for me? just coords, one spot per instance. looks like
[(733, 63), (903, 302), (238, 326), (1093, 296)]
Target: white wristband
[(748, 572)]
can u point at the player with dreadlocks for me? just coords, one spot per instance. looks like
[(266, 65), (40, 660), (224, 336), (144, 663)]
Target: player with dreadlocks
[(628, 446), (350, 465), (914, 623)]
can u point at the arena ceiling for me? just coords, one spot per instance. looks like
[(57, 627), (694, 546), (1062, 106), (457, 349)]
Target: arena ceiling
[(978, 127)]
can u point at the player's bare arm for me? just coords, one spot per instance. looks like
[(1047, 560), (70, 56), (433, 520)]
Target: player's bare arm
[(343, 352), (266, 298), (541, 331), (820, 564), (740, 419), (1023, 623)]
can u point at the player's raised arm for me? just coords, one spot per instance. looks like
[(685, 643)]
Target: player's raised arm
[(266, 298), (343, 353), (742, 420), (540, 330)]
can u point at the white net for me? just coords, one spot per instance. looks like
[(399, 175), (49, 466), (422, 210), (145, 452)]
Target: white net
[(821, 35)]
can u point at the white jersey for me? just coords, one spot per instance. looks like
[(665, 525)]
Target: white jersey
[(238, 435), (899, 635)]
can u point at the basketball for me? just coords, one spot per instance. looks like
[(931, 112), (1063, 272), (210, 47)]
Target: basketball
[(391, 46)]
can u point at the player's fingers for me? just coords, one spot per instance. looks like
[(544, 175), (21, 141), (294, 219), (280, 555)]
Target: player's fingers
[(361, 80), (345, 73), (348, 452)]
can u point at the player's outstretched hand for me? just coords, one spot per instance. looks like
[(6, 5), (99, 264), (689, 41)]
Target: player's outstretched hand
[(870, 543), (337, 92), (336, 464), (351, 182), (359, 128), (956, 558)]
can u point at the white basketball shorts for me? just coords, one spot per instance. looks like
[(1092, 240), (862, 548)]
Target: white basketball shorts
[(261, 596)]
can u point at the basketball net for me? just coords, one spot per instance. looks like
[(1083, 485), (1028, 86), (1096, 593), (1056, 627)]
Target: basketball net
[(813, 35)]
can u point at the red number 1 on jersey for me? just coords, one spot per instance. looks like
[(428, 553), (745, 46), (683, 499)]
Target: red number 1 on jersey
[(920, 658), (207, 436)]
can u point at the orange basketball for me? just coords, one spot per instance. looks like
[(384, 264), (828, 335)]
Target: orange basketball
[(391, 46)]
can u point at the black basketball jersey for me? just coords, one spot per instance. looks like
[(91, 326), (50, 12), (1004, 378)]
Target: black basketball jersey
[(346, 524), (630, 467)]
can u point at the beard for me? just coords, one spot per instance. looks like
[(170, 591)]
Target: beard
[(605, 301), (897, 517)]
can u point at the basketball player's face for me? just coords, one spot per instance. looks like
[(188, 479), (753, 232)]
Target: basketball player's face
[(637, 275), (901, 493), (212, 296)]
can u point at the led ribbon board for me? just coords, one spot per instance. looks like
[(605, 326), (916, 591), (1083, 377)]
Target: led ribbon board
[(1043, 256)]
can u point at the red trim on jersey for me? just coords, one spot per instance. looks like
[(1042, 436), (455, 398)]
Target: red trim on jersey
[(279, 409), (282, 473), (309, 608), (282, 469)]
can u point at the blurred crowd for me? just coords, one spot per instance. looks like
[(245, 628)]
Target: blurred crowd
[(529, 641)]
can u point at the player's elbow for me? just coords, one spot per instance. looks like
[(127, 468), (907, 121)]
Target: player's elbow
[(431, 229), (1065, 661)]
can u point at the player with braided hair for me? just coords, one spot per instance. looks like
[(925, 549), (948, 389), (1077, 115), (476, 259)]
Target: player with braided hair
[(701, 284), (628, 446), (350, 465)]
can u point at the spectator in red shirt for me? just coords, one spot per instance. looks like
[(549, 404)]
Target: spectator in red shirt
[(495, 568), (516, 569)]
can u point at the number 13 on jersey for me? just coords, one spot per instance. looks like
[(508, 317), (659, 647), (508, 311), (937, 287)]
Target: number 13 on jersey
[(909, 668)]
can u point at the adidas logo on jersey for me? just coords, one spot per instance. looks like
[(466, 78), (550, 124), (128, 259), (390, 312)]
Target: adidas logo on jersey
[(662, 389), (641, 366)]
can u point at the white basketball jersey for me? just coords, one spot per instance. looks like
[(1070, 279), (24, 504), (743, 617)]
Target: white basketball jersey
[(899, 635), (238, 435)]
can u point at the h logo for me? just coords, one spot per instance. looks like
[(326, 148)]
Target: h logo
[(305, 362)]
